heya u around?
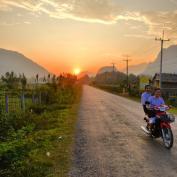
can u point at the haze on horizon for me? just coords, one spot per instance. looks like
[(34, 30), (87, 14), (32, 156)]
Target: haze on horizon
[(63, 35)]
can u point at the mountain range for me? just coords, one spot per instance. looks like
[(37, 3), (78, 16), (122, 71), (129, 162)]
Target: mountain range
[(169, 62), (19, 64), (138, 69)]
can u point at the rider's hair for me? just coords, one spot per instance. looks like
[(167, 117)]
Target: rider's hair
[(156, 89), (146, 86)]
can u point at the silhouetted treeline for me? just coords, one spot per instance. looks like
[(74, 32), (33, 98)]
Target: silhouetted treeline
[(118, 80)]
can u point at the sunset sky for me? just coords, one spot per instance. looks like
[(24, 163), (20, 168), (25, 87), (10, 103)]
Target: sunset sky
[(63, 35)]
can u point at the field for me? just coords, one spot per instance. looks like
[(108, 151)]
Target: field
[(36, 141)]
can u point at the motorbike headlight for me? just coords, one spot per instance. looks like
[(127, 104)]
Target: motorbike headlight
[(162, 109)]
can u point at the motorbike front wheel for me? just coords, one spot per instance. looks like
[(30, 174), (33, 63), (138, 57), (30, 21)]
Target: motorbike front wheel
[(167, 136)]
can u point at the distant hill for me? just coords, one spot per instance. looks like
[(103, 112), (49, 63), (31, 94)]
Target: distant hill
[(138, 69), (84, 73), (18, 63), (106, 69), (133, 69), (169, 62)]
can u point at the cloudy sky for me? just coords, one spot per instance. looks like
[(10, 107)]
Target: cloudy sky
[(65, 34)]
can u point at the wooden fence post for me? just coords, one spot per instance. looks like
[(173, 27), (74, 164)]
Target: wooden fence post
[(33, 98), (23, 101), (7, 103), (40, 101), (46, 97)]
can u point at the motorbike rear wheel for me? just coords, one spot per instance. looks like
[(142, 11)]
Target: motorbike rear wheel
[(167, 136)]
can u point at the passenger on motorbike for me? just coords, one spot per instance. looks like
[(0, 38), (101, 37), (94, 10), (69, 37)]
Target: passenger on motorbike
[(155, 100), (144, 99)]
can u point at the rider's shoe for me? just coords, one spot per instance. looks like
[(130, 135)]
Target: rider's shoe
[(146, 119), (147, 129)]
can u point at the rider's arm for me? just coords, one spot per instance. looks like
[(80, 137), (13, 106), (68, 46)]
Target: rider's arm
[(142, 99), (150, 102), (162, 101)]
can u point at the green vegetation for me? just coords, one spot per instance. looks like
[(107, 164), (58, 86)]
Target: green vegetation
[(37, 142), (116, 82), (173, 110)]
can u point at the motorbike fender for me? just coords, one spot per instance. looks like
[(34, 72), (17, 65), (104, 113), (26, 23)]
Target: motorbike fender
[(165, 125)]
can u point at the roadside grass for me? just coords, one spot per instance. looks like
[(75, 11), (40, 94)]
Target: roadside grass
[(63, 150), (39, 143), (173, 110)]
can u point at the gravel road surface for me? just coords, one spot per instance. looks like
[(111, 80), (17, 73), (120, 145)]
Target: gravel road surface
[(110, 143)]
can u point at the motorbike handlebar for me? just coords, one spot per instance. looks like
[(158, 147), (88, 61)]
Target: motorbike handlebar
[(158, 108)]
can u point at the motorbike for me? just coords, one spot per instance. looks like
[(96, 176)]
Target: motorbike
[(161, 128)]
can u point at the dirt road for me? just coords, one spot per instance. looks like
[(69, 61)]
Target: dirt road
[(110, 143)]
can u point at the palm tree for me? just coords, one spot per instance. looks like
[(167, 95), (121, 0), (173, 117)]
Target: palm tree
[(23, 81), (48, 78), (37, 78)]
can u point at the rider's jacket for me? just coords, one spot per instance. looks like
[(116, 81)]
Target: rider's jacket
[(154, 101), (144, 97)]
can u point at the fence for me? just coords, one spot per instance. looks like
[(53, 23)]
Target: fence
[(20, 100)]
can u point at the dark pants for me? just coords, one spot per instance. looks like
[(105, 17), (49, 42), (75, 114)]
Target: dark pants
[(149, 113)]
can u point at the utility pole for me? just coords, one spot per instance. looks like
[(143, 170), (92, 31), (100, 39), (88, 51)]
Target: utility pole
[(162, 40), (113, 72), (113, 66), (127, 68)]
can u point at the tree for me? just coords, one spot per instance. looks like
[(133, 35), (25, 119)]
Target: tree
[(11, 80), (37, 78), (44, 79), (23, 82), (48, 78)]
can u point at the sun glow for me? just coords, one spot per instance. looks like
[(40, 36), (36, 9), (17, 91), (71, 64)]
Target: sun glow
[(77, 71)]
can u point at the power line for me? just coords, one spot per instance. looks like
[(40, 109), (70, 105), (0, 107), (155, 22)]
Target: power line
[(142, 52), (173, 31), (162, 40)]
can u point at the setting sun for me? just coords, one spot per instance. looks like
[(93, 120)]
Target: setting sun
[(76, 71)]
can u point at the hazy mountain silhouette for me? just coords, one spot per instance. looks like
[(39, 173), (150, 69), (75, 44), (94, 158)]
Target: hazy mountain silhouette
[(134, 69), (106, 69), (169, 62), (137, 69), (18, 63), (86, 73)]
